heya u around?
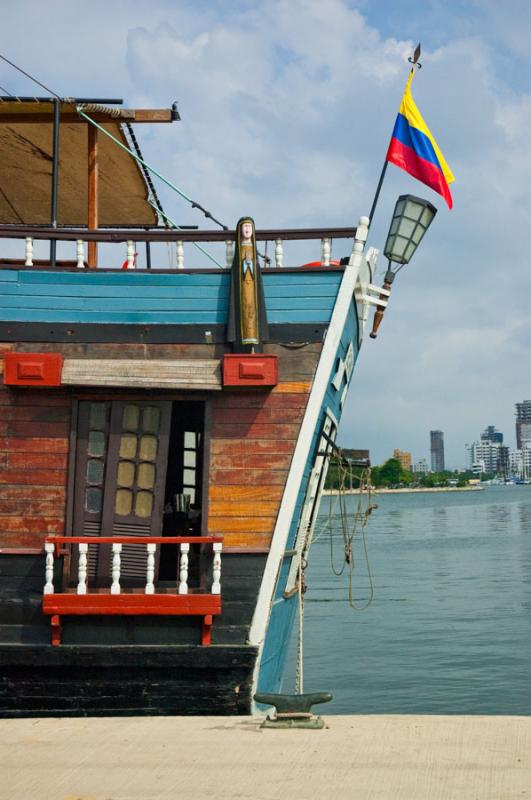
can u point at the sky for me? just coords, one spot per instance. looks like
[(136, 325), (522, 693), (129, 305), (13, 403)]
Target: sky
[(287, 108)]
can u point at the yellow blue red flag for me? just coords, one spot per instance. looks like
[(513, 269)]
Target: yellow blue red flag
[(413, 148)]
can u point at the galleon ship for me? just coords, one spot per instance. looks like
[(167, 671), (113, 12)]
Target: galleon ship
[(165, 431)]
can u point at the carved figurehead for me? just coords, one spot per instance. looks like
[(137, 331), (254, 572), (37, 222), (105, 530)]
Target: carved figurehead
[(247, 328)]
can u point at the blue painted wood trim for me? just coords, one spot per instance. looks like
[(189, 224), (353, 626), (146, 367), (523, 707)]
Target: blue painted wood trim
[(172, 299), (283, 614)]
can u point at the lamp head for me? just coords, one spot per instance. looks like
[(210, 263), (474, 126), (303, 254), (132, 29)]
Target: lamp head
[(411, 219)]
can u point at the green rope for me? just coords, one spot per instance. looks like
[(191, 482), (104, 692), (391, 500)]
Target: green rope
[(154, 171), (137, 158), (178, 227)]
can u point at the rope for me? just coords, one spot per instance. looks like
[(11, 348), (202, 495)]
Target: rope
[(174, 224), (350, 528), (140, 160), (29, 76), (301, 588)]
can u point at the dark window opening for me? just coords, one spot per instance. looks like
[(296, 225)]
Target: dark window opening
[(183, 490), (138, 472)]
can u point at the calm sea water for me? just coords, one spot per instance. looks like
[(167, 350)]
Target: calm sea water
[(449, 629)]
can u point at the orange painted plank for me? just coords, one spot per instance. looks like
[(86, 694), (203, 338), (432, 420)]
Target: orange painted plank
[(37, 413), (238, 400), (241, 508), (37, 460), (229, 525), (257, 415), (31, 445), (257, 541), (21, 539), (26, 428), (26, 493), (23, 397), (21, 506), (30, 524), (248, 476), (228, 447), (289, 387), (245, 493), (251, 461), (34, 477), (249, 430)]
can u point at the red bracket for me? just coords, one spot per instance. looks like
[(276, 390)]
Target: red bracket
[(254, 369), (33, 369), (57, 628)]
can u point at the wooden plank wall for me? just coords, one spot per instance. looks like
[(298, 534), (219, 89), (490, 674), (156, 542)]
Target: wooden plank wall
[(252, 441), (253, 437), (34, 440)]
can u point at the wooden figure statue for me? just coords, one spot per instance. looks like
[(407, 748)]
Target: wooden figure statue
[(247, 328)]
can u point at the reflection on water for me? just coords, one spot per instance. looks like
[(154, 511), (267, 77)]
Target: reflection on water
[(449, 631)]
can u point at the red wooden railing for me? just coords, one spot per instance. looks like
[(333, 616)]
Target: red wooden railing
[(88, 601)]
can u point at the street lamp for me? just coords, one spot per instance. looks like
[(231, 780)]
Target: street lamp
[(411, 219)]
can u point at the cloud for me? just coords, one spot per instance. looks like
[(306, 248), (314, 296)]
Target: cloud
[(287, 109)]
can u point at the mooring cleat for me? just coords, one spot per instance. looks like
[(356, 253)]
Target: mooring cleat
[(293, 710)]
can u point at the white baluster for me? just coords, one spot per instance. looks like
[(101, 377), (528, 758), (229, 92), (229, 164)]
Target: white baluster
[(80, 254), (179, 252), (325, 252), (150, 569), (279, 253), (183, 569), (50, 549), (82, 569), (229, 253), (130, 255), (116, 563), (29, 252), (216, 568)]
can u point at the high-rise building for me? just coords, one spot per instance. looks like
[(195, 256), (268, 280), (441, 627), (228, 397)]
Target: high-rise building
[(490, 434), (421, 467), (403, 457), (523, 422), (489, 455), (437, 451)]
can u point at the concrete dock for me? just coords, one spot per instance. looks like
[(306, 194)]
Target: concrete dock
[(355, 757)]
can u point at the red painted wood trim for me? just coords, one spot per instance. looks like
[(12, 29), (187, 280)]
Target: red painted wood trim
[(252, 370), (21, 551), (132, 604), (33, 369), (134, 539)]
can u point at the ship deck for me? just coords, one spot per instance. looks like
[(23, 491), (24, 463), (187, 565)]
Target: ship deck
[(383, 757)]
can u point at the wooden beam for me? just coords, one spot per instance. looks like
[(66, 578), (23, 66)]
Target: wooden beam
[(199, 374), (92, 215), (140, 115)]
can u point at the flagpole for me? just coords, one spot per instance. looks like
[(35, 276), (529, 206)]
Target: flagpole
[(415, 62)]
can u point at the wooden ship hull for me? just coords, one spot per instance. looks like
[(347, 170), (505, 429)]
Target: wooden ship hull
[(157, 490)]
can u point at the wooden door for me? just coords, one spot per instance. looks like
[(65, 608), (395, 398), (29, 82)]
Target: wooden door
[(120, 478)]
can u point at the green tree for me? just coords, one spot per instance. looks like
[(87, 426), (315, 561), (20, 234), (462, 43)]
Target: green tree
[(390, 472)]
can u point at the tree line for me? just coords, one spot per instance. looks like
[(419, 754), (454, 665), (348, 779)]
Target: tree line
[(391, 475)]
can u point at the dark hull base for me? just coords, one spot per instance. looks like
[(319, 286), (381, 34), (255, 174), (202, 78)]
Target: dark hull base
[(82, 681)]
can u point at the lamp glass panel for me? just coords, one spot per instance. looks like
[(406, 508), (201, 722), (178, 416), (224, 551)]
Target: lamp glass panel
[(418, 234), (410, 249), (399, 208), (427, 216), (394, 225), (407, 226), (398, 249), (413, 210)]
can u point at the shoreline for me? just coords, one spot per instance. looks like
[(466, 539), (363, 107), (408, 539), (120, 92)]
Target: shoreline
[(418, 490)]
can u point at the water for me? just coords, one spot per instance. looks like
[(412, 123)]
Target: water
[(449, 630)]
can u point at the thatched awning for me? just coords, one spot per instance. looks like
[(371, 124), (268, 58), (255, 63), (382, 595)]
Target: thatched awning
[(26, 131)]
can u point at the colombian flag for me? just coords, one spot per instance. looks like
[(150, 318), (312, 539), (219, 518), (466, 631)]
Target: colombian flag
[(414, 149)]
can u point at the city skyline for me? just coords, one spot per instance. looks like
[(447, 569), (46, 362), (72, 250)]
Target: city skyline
[(287, 111)]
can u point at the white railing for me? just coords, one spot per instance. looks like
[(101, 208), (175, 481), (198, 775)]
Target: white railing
[(53, 544)]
